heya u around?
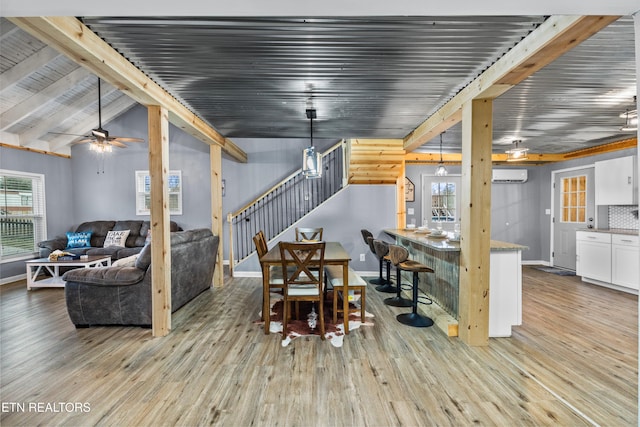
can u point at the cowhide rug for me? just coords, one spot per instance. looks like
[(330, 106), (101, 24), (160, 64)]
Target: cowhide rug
[(309, 324)]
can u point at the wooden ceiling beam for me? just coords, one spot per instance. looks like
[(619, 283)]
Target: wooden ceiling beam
[(533, 159), (75, 40), (554, 37)]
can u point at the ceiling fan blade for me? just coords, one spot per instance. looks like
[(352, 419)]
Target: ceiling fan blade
[(83, 141), (125, 139), (116, 143)]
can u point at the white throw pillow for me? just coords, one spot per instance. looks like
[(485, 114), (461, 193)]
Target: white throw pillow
[(129, 261), (116, 238)]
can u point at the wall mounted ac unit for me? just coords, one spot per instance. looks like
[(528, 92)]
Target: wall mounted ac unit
[(506, 176)]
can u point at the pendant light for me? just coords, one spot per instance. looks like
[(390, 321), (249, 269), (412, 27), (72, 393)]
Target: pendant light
[(441, 170), (311, 160), (517, 153), (631, 121)]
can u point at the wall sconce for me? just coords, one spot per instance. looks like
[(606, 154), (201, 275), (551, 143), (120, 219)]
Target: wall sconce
[(311, 160), (517, 153)]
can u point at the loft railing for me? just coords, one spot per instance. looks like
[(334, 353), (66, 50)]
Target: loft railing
[(285, 203)]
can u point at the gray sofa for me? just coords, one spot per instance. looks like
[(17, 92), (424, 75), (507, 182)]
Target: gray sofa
[(121, 295), (138, 230)]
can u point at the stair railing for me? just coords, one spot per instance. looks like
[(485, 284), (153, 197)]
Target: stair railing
[(285, 203)]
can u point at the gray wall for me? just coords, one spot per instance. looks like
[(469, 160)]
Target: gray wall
[(517, 210), (269, 162), (111, 195), (76, 193), (356, 207), (58, 192)]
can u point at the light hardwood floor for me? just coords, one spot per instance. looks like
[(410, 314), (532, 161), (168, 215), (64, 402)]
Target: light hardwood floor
[(573, 362)]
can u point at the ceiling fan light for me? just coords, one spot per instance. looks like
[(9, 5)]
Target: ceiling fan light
[(100, 148)]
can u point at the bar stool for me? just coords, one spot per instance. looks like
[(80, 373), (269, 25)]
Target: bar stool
[(368, 240), (398, 300), (399, 256), (382, 249)]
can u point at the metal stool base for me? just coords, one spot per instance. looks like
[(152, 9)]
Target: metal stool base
[(398, 302), (378, 281), (414, 319), (387, 288)]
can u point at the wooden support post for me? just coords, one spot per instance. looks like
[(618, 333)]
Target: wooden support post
[(160, 231), (215, 161), (473, 308), (401, 210)]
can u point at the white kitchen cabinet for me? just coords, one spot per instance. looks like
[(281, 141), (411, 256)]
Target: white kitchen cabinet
[(593, 255), (625, 256), (615, 181)]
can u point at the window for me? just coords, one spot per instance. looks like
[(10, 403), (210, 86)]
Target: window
[(440, 201), (22, 214), (573, 199), (143, 192), (443, 201)]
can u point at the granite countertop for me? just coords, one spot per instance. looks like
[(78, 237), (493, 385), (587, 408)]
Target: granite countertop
[(625, 231), (444, 244)]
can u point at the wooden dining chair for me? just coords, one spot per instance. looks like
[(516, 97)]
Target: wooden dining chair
[(303, 263), (309, 234), (276, 281)]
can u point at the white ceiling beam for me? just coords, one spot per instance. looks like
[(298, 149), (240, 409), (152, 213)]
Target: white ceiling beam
[(63, 114), (7, 31), (40, 99), (554, 37), (75, 40), (24, 68)]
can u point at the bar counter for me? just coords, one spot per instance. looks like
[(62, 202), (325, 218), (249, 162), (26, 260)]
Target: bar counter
[(442, 286)]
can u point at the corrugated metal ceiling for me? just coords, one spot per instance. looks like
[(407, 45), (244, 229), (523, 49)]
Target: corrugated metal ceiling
[(374, 77)]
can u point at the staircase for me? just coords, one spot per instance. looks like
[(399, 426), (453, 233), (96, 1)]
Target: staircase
[(287, 202)]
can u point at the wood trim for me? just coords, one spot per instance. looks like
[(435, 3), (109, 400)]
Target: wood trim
[(160, 230), (33, 150), (401, 204), (534, 159), (75, 40), (554, 37)]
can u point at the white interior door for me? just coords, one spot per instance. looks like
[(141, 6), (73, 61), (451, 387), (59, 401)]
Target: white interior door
[(574, 208)]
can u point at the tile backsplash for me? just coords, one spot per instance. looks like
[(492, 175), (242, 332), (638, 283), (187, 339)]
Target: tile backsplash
[(623, 217)]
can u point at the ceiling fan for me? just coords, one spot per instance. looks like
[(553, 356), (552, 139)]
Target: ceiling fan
[(100, 139)]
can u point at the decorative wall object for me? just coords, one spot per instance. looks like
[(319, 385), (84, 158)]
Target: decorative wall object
[(409, 190)]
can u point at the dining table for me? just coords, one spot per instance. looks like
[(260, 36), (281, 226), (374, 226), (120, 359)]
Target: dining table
[(334, 254)]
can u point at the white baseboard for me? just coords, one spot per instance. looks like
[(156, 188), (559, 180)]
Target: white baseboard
[(247, 273), (545, 263), (12, 279)]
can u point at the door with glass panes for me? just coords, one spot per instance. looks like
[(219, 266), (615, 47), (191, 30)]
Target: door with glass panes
[(574, 208)]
